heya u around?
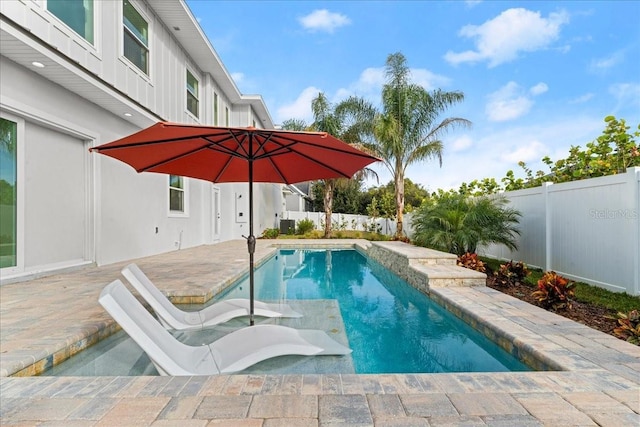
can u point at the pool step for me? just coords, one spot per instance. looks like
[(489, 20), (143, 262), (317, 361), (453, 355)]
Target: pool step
[(442, 276), (424, 268)]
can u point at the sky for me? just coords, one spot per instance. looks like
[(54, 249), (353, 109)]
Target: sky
[(538, 77)]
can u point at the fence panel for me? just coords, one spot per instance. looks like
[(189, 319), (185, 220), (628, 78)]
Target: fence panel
[(587, 230)]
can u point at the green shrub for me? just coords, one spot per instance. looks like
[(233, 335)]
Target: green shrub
[(458, 224), (305, 225), (270, 233), (554, 291)]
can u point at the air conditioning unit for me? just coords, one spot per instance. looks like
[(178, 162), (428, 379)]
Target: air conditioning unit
[(287, 226)]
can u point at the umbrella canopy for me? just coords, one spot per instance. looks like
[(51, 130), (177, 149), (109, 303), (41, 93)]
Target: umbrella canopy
[(227, 154)]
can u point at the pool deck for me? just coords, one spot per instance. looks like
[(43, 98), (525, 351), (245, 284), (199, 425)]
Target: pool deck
[(45, 320)]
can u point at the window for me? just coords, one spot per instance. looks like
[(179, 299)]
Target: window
[(215, 109), (176, 194), (136, 37), (226, 116), (8, 193), (77, 14), (192, 94)]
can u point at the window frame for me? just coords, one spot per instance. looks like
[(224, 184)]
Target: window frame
[(20, 184), (195, 96), (185, 197), (94, 22), (126, 31), (216, 107)]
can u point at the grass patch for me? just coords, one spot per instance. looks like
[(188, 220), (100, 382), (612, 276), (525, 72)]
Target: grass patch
[(617, 301)]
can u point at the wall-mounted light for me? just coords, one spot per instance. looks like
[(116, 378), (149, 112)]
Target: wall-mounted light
[(37, 64), (128, 115)]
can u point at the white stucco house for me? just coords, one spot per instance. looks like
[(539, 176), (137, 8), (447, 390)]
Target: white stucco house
[(78, 73)]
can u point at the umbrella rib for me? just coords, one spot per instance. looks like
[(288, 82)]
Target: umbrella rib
[(165, 161), (286, 148)]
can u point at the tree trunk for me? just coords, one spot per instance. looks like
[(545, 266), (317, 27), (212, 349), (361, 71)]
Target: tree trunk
[(399, 203), (328, 207)]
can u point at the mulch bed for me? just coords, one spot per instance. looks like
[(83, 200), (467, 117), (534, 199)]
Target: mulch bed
[(594, 316)]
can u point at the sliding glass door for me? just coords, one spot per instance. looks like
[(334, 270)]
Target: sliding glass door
[(8, 193)]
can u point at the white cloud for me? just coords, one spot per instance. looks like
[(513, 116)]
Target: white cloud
[(497, 149), (461, 143), (507, 103), (627, 95), (300, 108), (539, 89), (427, 79), (501, 39), (603, 64), (581, 99), (323, 20), (528, 151), (237, 77), (370, 82), (472, 3)]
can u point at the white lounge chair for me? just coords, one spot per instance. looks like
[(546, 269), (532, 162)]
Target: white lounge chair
[(172, 317), (232, 353)]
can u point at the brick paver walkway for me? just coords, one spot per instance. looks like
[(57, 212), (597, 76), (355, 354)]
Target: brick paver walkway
[(50, 318)]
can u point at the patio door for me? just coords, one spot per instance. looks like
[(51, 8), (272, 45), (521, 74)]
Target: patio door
[(215, 214)]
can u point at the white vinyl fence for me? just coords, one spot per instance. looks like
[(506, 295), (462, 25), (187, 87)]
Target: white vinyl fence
[(586, 230), (351, 222)]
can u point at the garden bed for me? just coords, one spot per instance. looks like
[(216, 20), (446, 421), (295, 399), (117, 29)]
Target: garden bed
[(592, 315)]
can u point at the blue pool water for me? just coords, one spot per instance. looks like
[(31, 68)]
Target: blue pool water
[(391, 326)]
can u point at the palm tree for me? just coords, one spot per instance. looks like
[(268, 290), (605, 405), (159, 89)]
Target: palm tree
[(459, 224), (406, 130), (326, 120)]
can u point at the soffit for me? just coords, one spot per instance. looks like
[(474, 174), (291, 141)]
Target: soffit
[(24, 49)]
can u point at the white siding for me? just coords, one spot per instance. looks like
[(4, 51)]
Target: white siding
[(82, 207)]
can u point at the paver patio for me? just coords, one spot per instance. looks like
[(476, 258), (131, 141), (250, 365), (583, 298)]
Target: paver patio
[(47, 319)]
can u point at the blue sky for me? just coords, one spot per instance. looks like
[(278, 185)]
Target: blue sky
[(537, 76)]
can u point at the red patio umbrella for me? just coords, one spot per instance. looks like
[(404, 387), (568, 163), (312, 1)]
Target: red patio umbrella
[(227, 154)]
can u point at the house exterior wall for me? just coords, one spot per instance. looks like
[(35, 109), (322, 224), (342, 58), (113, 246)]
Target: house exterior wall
[(75, 207)]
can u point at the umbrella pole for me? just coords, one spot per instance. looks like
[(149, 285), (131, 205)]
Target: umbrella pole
[(251, 243)]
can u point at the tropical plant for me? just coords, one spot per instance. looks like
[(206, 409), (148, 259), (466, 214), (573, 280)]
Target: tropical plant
[(472, 262), (305, 225), (406, 129), (629, 327), (511, 273), (554, 291), (347, 195), (458, 224), (326, 119), (270, 233)]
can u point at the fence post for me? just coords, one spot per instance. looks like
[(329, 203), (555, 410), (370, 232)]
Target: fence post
[(634, 188), (548, 247)]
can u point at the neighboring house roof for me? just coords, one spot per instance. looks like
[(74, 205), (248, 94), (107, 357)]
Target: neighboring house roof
[(293, 189)]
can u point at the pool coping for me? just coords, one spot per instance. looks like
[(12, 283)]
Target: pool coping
[(590, 361), (522, 338)]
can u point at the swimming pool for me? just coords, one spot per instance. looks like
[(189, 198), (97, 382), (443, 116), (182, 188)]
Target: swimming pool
[(391, 327)]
